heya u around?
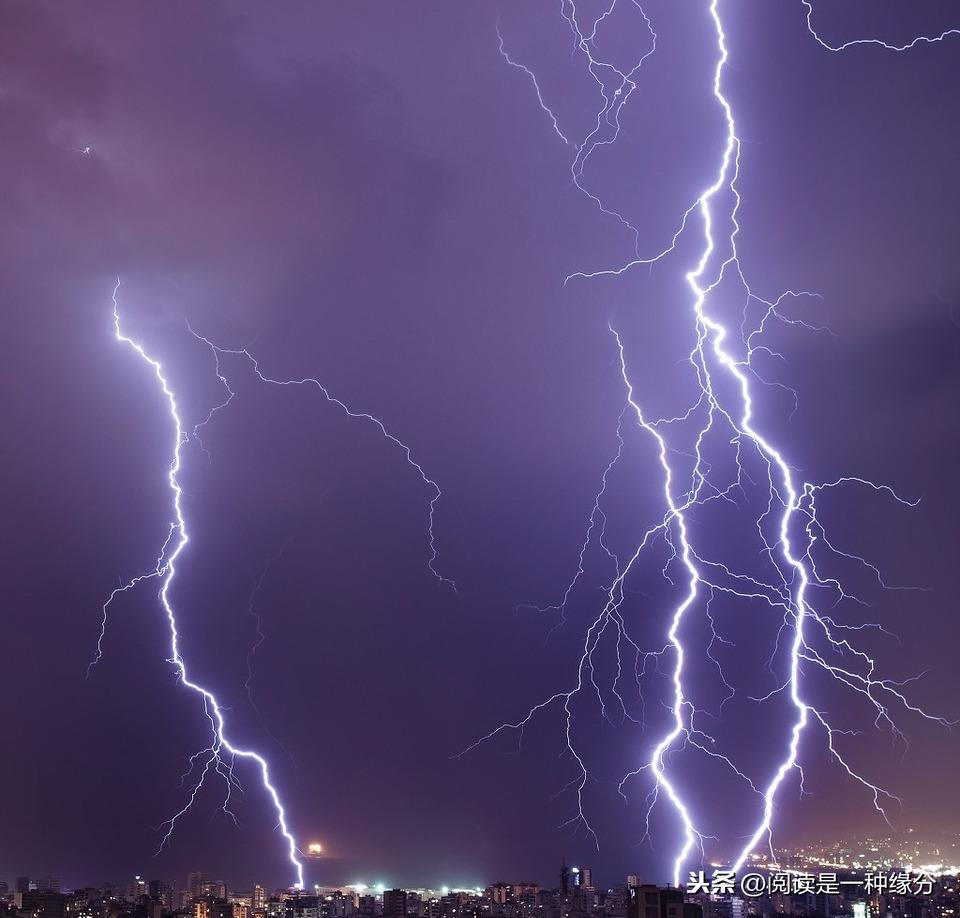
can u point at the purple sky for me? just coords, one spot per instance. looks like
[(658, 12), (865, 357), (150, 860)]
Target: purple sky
[(367, 193)]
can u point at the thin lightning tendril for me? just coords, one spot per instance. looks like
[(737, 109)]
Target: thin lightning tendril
[(308, 381), (794, 540), (919, 40), (258, 620)]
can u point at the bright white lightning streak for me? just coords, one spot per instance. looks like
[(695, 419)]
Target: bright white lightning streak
[(731, 156), (789, 594), (221, 754), (792, 505), (791, 499), (691, 835)]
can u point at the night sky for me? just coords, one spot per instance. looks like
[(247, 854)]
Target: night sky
[(368, 194)]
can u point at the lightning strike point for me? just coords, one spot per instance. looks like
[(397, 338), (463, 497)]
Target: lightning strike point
[(221, 755)]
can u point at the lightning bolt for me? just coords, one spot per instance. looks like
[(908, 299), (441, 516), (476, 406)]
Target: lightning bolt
[(221, 756), (723, 362)]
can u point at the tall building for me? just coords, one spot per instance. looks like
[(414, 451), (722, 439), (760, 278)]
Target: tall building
[(242, 904), (48, 885), (195, 882), (162, 892), (21, 884), (394, 903), (136, 888), (215, 888), (564, 879), (581, 876), (259, 897)]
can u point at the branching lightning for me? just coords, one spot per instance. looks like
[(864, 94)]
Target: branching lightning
[(719, 427), (221, 755)]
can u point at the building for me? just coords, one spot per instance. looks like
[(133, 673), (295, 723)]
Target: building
[(649, 901), (645, 901), (618, 902), (136, 888), (36, 904), (580, 876), (86, 903), (208, 907), (394, 903), (163, 892), (195, 883), (303, 907)]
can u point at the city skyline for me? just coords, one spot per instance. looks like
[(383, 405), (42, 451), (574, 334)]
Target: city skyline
[(889, 855), (910, 850), (451, 438)]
